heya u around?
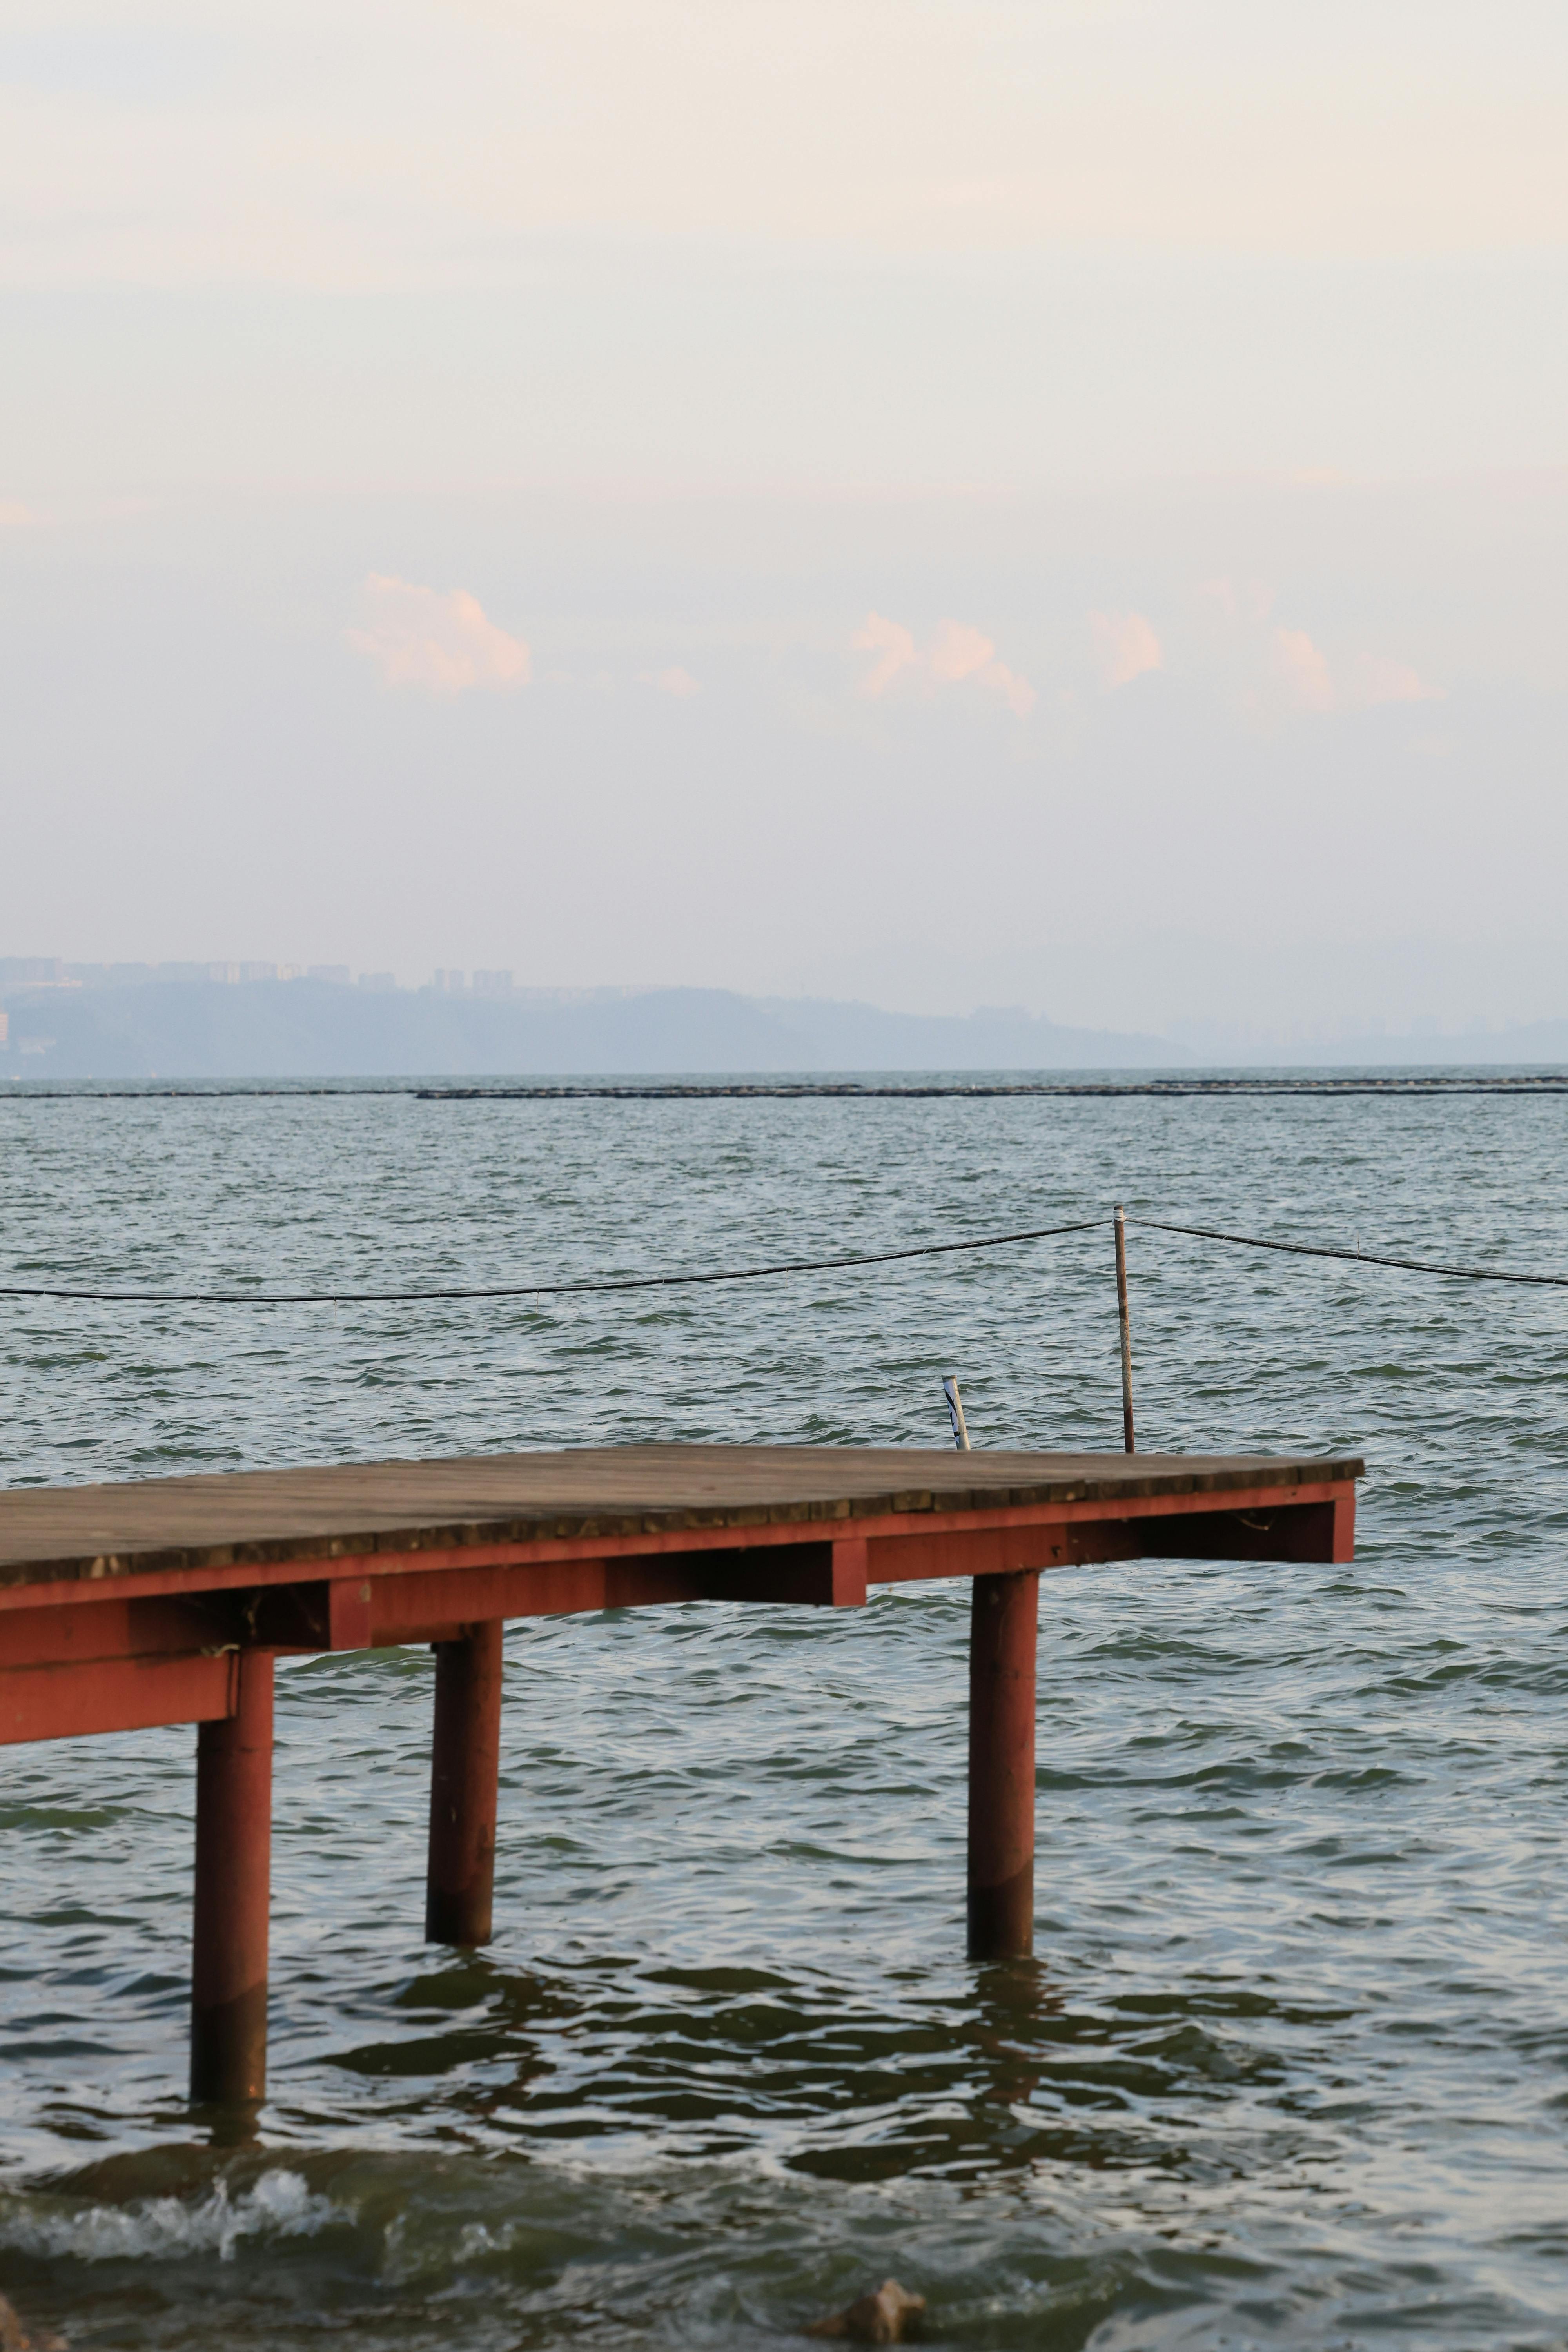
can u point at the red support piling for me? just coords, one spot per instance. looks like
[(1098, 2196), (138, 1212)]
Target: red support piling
[(465, 1766), (1003, 1630), (233, 1858)]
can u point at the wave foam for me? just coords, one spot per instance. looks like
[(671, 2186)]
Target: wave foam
[(158, 2228)]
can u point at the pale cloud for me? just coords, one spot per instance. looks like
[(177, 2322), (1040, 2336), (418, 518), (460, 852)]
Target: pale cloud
[(1302, 671), (675, 680), (1126, 646), (15, 515), (443, 644), (1017, 693), (957, 654), (958, 651), (894, 648), (1376, 680)]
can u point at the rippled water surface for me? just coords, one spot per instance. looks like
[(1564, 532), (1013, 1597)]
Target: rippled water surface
[(1291, 2065)]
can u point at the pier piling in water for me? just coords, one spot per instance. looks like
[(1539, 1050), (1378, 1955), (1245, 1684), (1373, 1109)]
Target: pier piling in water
[(1004, 1627), (166, 1601), (464, 1771), (233, 1891)]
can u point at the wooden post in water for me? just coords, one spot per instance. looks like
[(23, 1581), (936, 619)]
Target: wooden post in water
[(1003, 1625), (234, 1859), (465, 1769), (1126, 1321), (1004, 1621)]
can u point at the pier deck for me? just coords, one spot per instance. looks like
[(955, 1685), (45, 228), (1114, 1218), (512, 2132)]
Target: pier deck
[(166, 1601)]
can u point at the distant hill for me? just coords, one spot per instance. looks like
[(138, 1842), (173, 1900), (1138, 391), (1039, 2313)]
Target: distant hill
[(315, 1029)]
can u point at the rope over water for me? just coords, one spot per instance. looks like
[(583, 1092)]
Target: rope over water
[(783, 1267), (1356, 1257)]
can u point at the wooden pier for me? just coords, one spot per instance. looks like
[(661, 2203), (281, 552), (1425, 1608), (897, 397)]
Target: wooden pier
[(167, 1601)]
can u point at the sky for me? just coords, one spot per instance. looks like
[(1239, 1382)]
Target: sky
[(1058, 502)]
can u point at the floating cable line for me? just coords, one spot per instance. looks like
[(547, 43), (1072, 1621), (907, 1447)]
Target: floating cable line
[(1355, 1256), (537, 1289), (601, 1286)]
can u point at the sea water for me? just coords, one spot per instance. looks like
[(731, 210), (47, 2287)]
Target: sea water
[(1290, 2066)]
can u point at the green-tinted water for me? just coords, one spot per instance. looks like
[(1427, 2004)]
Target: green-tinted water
[(1292, 2067)]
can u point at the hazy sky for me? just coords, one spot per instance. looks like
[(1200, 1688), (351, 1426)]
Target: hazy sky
[(1049, 503)]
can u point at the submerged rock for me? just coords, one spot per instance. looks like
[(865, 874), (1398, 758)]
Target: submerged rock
[(879, 2318), (15, 2338)]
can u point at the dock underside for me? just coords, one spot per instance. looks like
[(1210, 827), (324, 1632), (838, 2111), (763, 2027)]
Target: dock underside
[(161, 1629)]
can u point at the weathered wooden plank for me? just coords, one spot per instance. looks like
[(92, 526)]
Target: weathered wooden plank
[(231, 1519)]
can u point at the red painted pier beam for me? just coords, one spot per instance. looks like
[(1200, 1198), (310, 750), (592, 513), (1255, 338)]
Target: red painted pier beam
[(166, 1601)]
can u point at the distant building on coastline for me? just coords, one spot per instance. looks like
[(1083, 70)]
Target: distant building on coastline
[(36, 971), (486, 984), (54, 971)]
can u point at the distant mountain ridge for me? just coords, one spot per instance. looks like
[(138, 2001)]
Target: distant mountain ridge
[(315, 1029), (321, 1029)]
